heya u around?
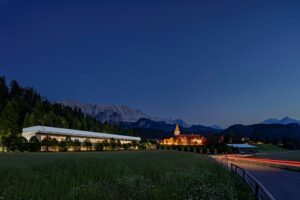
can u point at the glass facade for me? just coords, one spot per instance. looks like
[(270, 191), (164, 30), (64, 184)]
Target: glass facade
[(59, 138)]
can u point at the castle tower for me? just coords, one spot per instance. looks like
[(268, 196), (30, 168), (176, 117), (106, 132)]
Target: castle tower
[(177, 130)]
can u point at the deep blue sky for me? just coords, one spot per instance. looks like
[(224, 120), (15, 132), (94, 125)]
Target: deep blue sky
[(207, 62)]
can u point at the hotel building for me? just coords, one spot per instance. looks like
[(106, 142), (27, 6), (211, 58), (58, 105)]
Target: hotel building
[(184, 139)]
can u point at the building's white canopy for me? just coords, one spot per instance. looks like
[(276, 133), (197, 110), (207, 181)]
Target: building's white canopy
[(78, 133), (241, 145)]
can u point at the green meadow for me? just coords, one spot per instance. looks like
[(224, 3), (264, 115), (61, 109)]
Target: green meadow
[(267, 148), (284, 155), (116, 175)]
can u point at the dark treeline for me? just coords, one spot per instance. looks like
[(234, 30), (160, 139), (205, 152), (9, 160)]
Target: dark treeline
[(283, 135), (23, 107)]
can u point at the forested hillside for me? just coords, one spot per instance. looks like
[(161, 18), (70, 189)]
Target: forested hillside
[(23, 107), (284, 135)]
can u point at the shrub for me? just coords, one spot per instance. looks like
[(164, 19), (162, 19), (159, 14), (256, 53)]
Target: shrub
[(185, 149), (119, 145), (34, 144), (99, 146), (53, 144), (10, 142), (87, 145), (62, 146), (69, 142), (126, 146), (142, 145), (14, 143), (223, 149), (157, 146), (134, 144), (22, 144), (105, 144), (113, 144), (45, 143), (77, 145)]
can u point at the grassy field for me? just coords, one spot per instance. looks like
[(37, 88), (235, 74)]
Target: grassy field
[(116, 175), (269, 148), (275, 152), (286, 155)]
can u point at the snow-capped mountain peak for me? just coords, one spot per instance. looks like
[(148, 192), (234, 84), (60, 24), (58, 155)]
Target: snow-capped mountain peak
[(117, 114), (108, 113), (180, 122), (285, 120), (216, 127)]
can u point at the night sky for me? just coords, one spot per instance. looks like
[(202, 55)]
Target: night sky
[(207, 62)]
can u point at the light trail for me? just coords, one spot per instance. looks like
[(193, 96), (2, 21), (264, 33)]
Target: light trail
[(266, 161)]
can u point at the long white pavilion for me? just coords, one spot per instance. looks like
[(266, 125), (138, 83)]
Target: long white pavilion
[(60, 134)]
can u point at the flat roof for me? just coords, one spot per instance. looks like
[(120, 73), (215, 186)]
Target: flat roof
[(241, 145), (78, 133)]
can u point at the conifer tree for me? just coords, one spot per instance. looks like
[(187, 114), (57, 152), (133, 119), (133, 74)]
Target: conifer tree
[(83, 124), (3, 93), (9, 119), (106, 128), (15, 90), (30, 120)]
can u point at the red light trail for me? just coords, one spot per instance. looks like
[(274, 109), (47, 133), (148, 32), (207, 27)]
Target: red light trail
[(267, 161)]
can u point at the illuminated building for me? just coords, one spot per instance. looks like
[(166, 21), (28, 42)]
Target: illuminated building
[(63, 134), (183, 139), (177, 130)]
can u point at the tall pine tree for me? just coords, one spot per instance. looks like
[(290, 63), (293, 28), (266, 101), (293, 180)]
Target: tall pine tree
[(15, 90), (9, 119), (3, 93)]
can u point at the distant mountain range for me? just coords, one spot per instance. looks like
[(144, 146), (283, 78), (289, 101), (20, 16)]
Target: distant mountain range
[(285, 129), (129, 118), (117, 114), (216, 127), (150, 129), (287, 134), (112, 114), (285, 120)]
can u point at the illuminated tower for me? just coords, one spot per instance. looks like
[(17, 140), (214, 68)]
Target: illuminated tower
[(177, 130)]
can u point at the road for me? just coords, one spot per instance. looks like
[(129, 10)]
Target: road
[(282, 184), (267, 161)]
